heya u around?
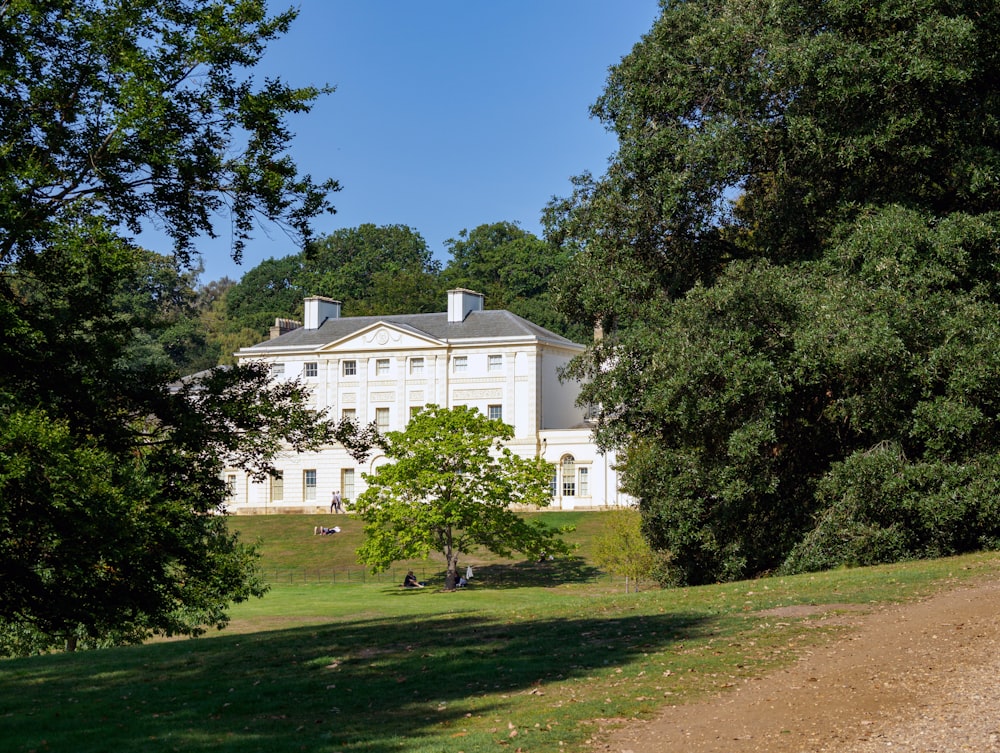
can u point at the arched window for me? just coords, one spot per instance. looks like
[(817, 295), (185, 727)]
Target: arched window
[(567, 467)]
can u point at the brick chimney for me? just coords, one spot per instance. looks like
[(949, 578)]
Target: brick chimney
[(283, 327)]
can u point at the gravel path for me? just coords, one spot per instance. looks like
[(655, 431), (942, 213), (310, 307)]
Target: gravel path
[(913, 678)]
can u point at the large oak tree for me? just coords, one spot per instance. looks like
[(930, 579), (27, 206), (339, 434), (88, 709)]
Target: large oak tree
[(114, 116), (792, 256)]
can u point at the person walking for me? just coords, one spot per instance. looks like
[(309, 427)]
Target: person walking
[(336, 504)]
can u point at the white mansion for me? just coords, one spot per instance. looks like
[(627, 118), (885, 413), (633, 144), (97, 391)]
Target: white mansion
[(384, 368)]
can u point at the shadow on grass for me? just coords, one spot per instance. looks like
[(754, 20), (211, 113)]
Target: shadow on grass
[(524, 575), (366, 685), (518, 575), (537, 574)]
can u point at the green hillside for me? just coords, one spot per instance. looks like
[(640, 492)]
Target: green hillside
[(292, 552)]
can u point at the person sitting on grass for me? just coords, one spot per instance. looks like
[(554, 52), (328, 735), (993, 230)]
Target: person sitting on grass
[(410, 581)]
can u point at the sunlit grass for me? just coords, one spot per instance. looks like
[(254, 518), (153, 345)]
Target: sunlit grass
[(371, 667)]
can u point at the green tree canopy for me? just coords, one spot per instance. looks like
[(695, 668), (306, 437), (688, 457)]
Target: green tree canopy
[(162, 301), (375, 269), (370, 269), (513, 269), (450, 488), (791, 256), (146, 112), (270, 290), (112, 116)]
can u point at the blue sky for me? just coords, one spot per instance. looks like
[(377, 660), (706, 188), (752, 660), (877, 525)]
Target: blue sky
[(448, 113)]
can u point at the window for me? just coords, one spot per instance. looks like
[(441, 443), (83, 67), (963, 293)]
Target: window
[(309, 485), (348, 414), (583, 481), (347, 484), (382, 367), (350, 368), (415, 409), (460, 364), (495, 412), (553, 484), (278, 487), (310, 370), (277, 369), (568, 467), (382, 419), (494, 363), (416, 367), (231, 485)]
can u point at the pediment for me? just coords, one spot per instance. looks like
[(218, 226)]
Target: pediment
[(383, 336)]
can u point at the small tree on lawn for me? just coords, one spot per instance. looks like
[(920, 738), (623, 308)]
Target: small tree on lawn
[(450, 490), (622, 549)]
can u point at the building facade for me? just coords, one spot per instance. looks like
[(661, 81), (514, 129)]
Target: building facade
[(382, 369)]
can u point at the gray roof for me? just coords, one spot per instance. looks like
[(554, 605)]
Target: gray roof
[(478, 325)]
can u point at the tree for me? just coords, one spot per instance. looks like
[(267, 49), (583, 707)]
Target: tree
[(790, 258), (161, 300), (375, 269), (111, 116), (209, 312), (146, 112), (449, 489), (622, 549), (109, 482), (273, 289), (513, 269), (371, 269)]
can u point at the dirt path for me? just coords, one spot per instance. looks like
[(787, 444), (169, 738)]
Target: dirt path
[(921, 677)]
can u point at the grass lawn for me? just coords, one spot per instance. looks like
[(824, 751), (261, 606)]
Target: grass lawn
[(294, 554), (370, 667)]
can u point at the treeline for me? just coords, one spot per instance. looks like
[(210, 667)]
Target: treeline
[(371, 269)]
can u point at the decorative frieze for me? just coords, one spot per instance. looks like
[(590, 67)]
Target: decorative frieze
[(495, 394)]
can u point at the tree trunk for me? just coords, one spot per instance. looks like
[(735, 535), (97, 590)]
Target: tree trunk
[(451, 557)]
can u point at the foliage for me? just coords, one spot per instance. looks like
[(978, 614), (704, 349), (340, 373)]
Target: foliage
[(209, 313), (792, 260), (113, 116), (110, 485), (141, 112), (375, 269), (622, 549), (449, 488), (513, 269), (161, 299), (388, 269), (881, 508), (269, 290), (371, 269)]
